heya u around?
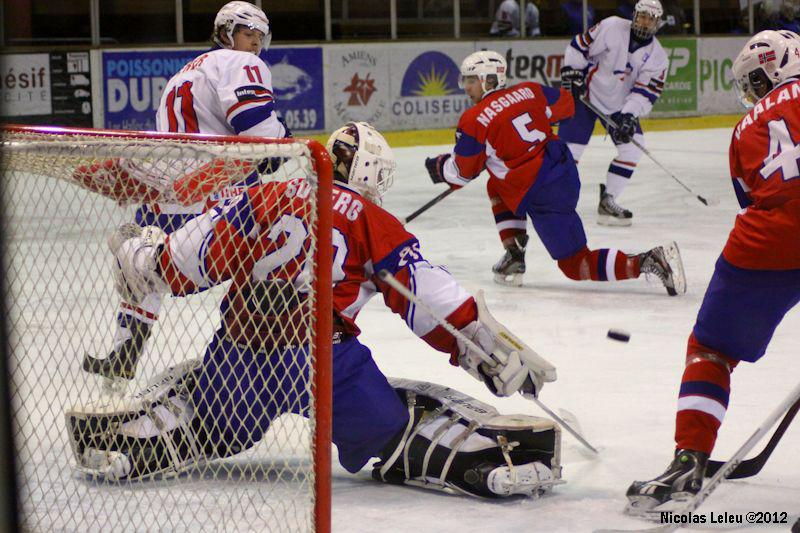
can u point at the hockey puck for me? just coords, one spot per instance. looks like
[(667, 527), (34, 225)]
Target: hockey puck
[(619, 335)]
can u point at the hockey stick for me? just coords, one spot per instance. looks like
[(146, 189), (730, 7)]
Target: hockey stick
[(610, 122), (751, 467), (428, 205), (387, 276)]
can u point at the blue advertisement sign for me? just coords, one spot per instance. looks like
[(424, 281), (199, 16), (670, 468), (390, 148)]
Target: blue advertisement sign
[(133, 83), (134, 80), (298, 86), (431, 74)]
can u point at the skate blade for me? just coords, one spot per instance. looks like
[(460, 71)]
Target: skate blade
[(639, 505), (673, 255), (607, 220), (509, 280), (650, 508)]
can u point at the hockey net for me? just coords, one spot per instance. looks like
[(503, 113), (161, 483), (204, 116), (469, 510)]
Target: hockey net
[(64, 192)]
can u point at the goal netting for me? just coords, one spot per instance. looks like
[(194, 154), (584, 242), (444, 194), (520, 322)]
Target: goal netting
[(63, 193)]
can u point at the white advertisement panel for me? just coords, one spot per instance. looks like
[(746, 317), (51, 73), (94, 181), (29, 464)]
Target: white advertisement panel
[(424, 85), (536, 60), (25, 85), (717, 93), (357, 85)]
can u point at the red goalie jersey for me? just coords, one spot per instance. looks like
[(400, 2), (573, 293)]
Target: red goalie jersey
[(764, 159), (506, 133), (262, 236)]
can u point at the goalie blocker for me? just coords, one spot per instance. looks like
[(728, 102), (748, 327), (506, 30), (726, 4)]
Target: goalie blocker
[(452, 442)]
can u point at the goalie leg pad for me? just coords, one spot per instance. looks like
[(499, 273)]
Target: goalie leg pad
[(153, 432), (458, 444)]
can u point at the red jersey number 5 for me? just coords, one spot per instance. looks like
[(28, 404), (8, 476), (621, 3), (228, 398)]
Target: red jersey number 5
[(532, 136)]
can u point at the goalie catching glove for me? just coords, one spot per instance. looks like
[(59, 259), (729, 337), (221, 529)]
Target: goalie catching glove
[(136, 253), (514, 366)]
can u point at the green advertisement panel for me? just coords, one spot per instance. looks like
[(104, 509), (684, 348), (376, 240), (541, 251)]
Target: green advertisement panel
[(680, 92)]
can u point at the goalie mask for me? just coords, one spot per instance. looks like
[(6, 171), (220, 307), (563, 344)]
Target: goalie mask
[(485, 65), (240, 13), (363, 159), (767, 60), (646, 19)]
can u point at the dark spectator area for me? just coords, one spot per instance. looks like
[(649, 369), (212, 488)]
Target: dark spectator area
[(43, 22)]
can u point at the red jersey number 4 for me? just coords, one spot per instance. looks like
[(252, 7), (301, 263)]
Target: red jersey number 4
[(784, 154)]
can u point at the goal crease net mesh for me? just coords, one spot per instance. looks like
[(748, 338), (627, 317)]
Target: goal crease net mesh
[(240, 455)]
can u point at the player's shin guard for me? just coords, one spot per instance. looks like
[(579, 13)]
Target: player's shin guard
[(605, 264), (703, 397), (153, 432), (455, 443)]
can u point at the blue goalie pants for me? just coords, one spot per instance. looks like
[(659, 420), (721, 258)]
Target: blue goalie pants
[(240, 392)]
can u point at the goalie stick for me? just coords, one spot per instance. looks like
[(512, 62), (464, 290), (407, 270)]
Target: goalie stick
[(441, 196), (387, 276), (751, 467), (724, 471), (610, 122)]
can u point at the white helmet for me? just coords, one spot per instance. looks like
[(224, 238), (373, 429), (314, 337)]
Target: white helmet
[(768, 58), (652, 9), (485, 64), (240, 13), (363, 159)]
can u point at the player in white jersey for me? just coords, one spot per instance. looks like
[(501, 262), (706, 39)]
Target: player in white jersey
[(620, 66), (225, 91)]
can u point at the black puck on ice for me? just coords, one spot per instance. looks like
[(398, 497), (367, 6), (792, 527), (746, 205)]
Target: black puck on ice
[(619, 335)]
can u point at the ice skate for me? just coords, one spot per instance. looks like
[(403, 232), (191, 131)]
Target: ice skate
[(510, 268), (610, 213), (681, 481), (665, 263), (120, 365)]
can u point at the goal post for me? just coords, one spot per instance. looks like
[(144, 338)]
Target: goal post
[(64, 191)]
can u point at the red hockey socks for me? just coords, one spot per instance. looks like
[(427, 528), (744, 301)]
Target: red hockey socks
[(605, 264), (508, 224), (703, 398)]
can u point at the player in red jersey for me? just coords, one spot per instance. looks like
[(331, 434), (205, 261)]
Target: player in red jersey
[(254, 367), (531, 172), (756, 280)]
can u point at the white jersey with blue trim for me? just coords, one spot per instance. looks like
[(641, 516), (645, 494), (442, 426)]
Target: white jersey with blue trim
[(221, 92), (621, 74)]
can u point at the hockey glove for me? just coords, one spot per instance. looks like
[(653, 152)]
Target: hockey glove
[(435, 166), (136, 258), (506, 375), (626, 127), (574, 81)]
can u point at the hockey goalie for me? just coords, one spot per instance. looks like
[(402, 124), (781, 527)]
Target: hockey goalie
[(211, 408)]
